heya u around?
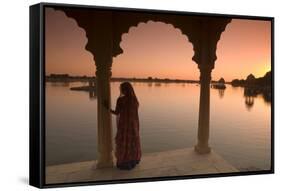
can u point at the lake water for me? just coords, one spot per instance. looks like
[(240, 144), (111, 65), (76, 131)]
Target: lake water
[(168, 113)]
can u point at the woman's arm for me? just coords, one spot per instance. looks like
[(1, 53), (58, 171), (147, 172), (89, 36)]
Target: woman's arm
[(115, 112)]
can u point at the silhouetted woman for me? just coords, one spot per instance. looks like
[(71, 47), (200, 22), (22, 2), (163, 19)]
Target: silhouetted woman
[(128, 149)]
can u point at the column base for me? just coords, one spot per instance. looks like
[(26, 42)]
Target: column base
[(104, 164), (202, 149)]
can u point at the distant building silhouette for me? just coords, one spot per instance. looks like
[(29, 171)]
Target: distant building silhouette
[(221, 80), (250, 80), (219, 84)]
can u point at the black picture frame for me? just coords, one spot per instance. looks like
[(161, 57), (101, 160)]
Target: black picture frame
[(37, 95)]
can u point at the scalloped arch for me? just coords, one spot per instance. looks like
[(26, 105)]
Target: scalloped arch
[(203, 32), (118, 49)]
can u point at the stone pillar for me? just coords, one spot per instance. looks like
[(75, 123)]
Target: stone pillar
[(204, 39), (102, 46), (202, 146), (105, 148)]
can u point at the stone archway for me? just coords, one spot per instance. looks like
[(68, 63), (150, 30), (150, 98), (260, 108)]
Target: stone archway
[(158, 47), (104, 29)]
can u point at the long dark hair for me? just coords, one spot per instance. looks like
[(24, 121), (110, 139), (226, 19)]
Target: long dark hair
[(128, 91)]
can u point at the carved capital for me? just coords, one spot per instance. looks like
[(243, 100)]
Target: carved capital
[(103, 71), (205, 74), (205, 38)]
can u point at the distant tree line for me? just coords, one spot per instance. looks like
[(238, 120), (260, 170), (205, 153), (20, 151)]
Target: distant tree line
[(252, 81), (68, 78)]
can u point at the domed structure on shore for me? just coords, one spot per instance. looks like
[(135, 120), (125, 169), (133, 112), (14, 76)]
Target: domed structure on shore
[(221, 80), (250, 79)]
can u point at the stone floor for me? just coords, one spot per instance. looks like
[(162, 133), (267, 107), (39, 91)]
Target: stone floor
[(168, 163)]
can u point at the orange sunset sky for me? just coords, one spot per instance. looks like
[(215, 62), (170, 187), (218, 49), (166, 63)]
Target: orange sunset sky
[(159, 50)]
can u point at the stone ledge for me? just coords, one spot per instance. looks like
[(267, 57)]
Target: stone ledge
[(168, 163)]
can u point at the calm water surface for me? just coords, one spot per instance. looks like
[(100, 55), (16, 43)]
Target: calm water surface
[(168, 120)]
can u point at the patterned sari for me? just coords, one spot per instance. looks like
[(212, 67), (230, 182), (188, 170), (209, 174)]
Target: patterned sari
[(128, 148)]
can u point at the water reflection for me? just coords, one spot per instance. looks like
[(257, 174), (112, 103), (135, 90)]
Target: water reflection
[(220, 90), (149, 84), (89, 88), (221, 93), (157, 84), (167, 122), (251, 94), (135, 83), (92, 90), (92, 95), (249, 102), (62, 84), (267, 97)]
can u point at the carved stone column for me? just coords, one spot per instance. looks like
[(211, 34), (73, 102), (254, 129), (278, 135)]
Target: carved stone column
[(204, 39), (103, 74), (204, 111), (102, 46)]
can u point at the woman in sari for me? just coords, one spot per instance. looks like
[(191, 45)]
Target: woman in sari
[(128, 149)]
